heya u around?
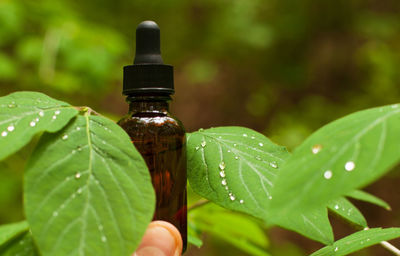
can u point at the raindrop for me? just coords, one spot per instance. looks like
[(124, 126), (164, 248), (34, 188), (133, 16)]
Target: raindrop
[(336, 249), (260, 144), (223, 182), (12, 105), (219, 137), (258, 158), (103, 239), (226, 188), (78, 128), (41, 113), (79, 148), (201, 130), (4, 134), (222, 165), (79, 191), (32, 124), (54, 117), (328, 174), (234, 144), (197, 148), (10, 128), (316, 148), (270, 197), (77, 175), (55, 214), (229, 151), (349, 166), (236, 157), (203, 143), (244, 135), (232, 197), (222, 174), (336, 207), (36, 119), (57, 112), (252, 137), (65, 137), (273, 165), (241, 201)]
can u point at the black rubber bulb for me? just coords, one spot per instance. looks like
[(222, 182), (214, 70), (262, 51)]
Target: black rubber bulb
[(148, 44)]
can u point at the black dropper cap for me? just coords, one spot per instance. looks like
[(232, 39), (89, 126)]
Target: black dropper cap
[(148, 74)]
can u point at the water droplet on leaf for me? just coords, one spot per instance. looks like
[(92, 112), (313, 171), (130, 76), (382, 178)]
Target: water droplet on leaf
[(222, 165), (244, 135), (32, 124), (232, 197), (77, 175), (222, 174), (54, 117), (65, 136), (223, 182), (337, 207), (260, 144), (316, 148), (349, 166), (273, 165), (41, 113), (236, 157), (241, 201), (197, 148), (57, 112), (10, 128), (4, 134), (328, 174), (201, 130), (203, 143)]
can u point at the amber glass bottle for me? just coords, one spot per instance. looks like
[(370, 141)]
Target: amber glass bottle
[(157, 135)]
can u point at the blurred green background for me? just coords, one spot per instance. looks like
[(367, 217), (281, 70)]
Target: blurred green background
[(284, 68)]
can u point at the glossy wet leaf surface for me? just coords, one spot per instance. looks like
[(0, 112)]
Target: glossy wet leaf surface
[(357, 241), (24, 114), (88, 191), (235, 167), (354, 150)]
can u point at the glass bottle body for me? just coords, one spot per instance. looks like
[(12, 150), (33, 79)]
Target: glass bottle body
[(160, 138)]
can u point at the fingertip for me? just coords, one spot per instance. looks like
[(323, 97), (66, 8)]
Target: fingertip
[(161, 239)]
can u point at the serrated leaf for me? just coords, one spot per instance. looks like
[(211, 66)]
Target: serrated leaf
[(358, 241), (366, 197), (235, 167), (346, 154), (348, 211), (237, 229), (88, 191), (10, 231), (22, 245), (24, 114)]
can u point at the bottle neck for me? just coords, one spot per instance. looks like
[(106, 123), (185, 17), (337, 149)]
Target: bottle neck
[(149, 104)]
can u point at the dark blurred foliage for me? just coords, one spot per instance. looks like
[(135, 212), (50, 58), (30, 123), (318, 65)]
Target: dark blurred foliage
[(284, 68)]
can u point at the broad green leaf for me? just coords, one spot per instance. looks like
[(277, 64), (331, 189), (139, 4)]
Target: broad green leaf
[(24, 114), (237, 229), (364, 196), (22, 245), (348, 211), (88, 191), (10, 231), (358, 241), (235, 167), (346, 154)]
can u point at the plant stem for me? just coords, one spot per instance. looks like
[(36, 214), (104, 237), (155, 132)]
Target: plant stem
[(198, 204), (390, 247)]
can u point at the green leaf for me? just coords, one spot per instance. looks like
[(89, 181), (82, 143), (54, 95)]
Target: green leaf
[(235, 167), (348, 211), (10, 231), (193, 236), (364, 196), (346, 154), (23, 245), (236, 229), (358, 241), (88, 190), (24, 114)]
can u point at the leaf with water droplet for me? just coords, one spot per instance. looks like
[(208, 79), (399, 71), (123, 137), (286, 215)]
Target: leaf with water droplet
[(27, 117), (346, 210), (15, 239), (358, 241), (358, 149), (248, 178), (68, 196)]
